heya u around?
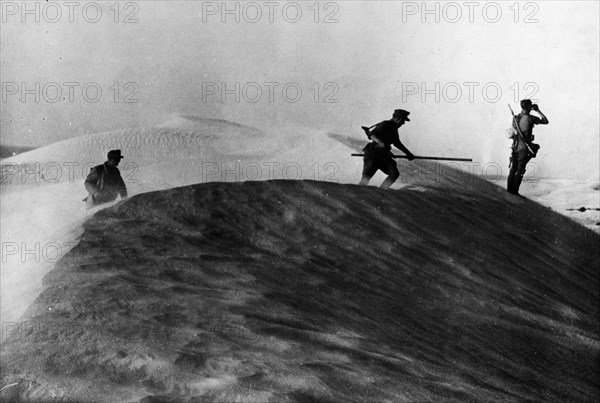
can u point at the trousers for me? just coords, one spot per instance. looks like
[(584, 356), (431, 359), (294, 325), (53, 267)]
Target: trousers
[(519, 160)]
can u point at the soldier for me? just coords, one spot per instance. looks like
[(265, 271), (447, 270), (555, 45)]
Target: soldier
[(104, 182), (378, 155), (523, 149)]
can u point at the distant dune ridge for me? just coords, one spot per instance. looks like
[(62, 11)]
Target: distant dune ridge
[(9, 151), (448, 289), (42, 189), (151, 155), (186, 150)]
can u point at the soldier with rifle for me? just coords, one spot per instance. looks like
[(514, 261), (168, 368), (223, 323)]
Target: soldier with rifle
[(523, 148), (378, 155)]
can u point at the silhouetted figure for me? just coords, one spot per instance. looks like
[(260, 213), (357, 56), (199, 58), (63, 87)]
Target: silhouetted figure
[(104, 182), (378, 154), (522, 148)]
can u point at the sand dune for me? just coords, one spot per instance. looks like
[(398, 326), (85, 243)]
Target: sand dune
[(312, 291), (152, 155), (567, 197), (42, 189), (265, 291), (184, 150)]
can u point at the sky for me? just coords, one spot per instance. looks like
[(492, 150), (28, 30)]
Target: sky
[(333, 66)]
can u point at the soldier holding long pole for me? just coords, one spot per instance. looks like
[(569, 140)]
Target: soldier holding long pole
[(378, 155)]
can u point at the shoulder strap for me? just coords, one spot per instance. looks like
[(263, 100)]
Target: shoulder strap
[(101, 169), (517, 127), (517, 120)]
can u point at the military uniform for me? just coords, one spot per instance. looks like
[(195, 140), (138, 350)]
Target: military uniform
[(104, 182), (520, 152), (378, 154)]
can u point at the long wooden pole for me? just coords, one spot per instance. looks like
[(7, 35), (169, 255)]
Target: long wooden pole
[(424, 158)]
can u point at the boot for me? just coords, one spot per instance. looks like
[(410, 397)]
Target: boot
[(388, 182), (517, 184)]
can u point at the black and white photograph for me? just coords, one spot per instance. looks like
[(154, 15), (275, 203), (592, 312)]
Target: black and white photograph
[(299, 201)]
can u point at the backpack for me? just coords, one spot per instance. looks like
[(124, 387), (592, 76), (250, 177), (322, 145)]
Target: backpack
[(532, 148), (101, 170)]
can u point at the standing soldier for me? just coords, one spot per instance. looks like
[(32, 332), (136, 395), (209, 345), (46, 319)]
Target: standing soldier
[(523, 149), (104, 182), (378, 155)]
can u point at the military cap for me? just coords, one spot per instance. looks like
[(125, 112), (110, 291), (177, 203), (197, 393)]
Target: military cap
[(401, 113), (115, 154)]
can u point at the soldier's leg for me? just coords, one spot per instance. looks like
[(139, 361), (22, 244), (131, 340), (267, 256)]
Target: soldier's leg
[(510, 182), (391, 168), (364, 180), (522, 161), (369, 169)]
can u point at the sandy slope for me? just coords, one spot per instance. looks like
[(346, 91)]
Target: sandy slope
[(76, 328), (565, 196), (312, 291), (41, 192), (568, 197)]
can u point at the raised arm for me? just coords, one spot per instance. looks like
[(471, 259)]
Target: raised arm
[(543, 118)]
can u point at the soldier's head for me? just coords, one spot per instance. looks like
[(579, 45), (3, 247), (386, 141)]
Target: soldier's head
[(114, 157), (400, 116), (526, 105)]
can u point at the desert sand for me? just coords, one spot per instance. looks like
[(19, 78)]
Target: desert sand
[(209, 286)]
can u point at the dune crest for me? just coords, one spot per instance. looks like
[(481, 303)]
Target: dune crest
[(313, 291), (42, 189)]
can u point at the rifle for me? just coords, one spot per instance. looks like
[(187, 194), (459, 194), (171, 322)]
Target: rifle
[(367, 129), (519, 130), (423, 158)]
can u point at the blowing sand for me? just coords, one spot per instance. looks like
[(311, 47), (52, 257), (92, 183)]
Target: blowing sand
[(446, 288)]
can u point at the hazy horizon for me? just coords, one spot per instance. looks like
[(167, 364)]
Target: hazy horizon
[(240, 259), (357, 63)]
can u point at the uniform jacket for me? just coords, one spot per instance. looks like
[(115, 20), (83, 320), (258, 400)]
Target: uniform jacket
[(386, 133), (526, 123), (106, 182)]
